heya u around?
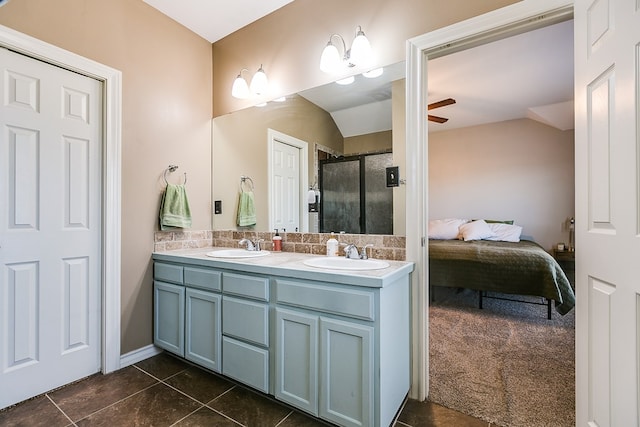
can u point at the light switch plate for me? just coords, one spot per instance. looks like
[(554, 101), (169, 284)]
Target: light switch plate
[(393, 178)]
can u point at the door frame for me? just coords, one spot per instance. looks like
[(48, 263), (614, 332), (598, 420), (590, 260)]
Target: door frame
[(111, 176), (518, 17), (303, 148)]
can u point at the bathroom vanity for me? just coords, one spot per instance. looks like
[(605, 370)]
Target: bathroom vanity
[(333, 343)]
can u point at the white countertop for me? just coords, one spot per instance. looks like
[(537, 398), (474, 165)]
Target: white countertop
[(289, 264)]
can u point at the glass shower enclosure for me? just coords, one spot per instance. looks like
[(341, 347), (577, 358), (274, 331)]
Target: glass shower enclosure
[(354, 196)]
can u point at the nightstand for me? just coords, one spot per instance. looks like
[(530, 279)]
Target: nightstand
[(567, 260)]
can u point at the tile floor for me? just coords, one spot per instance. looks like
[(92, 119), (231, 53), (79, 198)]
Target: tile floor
[(166, 391)]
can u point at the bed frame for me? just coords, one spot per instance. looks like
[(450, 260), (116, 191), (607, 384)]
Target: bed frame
[(522, 268)]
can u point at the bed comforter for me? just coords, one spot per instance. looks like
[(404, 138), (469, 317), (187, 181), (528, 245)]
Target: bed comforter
[(522, 268)]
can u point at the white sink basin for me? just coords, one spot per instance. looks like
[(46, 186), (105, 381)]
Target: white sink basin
[(236, 253), (342, 263)]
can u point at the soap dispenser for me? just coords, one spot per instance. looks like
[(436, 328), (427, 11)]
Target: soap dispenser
[(277, 242), (332, 245)]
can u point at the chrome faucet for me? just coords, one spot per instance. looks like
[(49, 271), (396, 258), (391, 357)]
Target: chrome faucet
[(363, 253), (351, 251), (249, 243), (251, 246)]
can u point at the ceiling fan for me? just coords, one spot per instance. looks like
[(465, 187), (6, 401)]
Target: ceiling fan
[(439, 104)]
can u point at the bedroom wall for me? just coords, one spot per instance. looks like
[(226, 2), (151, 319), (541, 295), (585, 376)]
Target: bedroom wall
[(518, 169)]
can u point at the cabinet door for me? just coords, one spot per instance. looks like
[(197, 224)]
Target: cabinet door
[(346, 366), (202, 328), (297, 359), (168, 317)]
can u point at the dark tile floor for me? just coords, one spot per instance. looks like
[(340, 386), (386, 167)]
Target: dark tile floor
[(166, 391)]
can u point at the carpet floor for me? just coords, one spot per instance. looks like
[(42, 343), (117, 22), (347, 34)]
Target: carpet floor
[(505, 364)]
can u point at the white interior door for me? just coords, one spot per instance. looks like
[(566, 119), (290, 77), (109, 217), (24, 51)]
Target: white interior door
[(607, 37), (50, 226), (287, 182)]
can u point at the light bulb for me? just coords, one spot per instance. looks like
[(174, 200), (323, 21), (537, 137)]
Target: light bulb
[(346, 81), (330, 60), (259, 82), (376, 72), (361, 53), (240, 88)]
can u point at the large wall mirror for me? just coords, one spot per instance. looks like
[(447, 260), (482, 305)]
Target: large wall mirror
[(352, 133)]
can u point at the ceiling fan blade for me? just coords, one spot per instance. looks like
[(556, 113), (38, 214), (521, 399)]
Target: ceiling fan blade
[(436, 119), (442, 103)]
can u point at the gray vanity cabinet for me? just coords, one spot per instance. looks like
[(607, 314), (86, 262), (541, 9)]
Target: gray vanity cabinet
[(202, 328), (168, 315), (326, 364), (187, 313), (296, 369), (333, 345), (245, 333)]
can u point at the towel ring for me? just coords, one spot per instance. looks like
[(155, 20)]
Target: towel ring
[(172, 168), (243, 180)]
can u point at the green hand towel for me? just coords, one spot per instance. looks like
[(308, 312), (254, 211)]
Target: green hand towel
[(174, 208), (246, 209)]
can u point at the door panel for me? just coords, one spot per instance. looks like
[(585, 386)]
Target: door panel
[(607, 37), (286, 186), (50, 226)]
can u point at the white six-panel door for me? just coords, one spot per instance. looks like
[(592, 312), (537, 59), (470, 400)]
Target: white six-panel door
[(50, 226), (607, 66), (287, 182)]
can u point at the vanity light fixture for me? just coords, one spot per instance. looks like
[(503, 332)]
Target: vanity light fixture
[(360, 53), (259, 84)]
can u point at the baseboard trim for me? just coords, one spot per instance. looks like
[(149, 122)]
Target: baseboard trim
[(138, 355)]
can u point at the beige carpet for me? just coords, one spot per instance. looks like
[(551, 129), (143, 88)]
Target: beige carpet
[(506, 364)]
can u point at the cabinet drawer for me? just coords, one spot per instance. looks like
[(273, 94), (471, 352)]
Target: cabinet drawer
[(246, 320), (329, 299), (203, 278), (246, 363), (248, 286), (168, 273)]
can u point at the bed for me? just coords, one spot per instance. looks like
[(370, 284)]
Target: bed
[(520, 268)]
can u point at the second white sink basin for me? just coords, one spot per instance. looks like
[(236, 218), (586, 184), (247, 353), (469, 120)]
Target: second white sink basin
[(237, 253), (341, 263)]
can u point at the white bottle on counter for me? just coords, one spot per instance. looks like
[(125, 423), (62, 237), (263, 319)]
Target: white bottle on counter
[(332, 246)]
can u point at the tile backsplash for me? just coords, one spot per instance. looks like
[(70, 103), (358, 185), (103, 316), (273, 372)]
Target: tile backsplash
[(388, 247)]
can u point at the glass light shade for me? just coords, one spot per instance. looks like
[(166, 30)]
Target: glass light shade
[(240, 88), (346, 81), (361, 53), (330, 60), (259, 82), (372, 74)]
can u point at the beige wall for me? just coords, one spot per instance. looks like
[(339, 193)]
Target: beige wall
[(289, 41), (518, 169), (169, 97), (240, 148), (369, 143), (166, 74)]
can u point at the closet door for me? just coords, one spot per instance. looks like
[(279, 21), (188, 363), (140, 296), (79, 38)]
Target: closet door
[(50, 226)]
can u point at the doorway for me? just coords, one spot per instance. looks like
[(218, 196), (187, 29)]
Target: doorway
[(110, 178), (519, 17)]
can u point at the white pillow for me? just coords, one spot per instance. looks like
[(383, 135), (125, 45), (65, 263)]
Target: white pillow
[(505, 232), (475, 230), (445, 229)]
